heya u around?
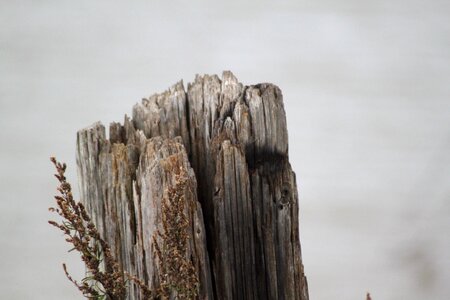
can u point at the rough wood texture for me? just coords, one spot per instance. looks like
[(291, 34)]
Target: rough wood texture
[(235, 139)]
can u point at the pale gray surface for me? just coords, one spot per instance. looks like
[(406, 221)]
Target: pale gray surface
[(366, 87)]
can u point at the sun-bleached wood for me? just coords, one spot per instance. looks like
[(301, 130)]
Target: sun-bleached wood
[(242, 194)]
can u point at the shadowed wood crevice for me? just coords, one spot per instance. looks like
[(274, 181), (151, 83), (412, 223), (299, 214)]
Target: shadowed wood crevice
[(233, 141)]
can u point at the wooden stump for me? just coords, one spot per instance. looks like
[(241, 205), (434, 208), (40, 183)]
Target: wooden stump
[(241, 197)]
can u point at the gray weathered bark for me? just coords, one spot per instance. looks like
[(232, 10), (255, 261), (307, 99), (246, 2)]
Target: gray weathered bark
[(242, 197)]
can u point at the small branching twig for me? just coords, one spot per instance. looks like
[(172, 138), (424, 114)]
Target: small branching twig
[(147, 293)]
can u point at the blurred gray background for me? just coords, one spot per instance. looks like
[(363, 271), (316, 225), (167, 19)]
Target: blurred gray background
[(366, 87)]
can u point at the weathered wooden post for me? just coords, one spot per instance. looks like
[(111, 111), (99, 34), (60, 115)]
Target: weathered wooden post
[(230, 141)]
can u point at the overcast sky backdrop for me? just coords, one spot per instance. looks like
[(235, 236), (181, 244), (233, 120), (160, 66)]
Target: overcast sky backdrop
[(367, 93)]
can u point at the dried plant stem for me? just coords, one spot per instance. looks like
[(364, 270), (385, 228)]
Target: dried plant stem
[(178, 277), (105, 279)]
